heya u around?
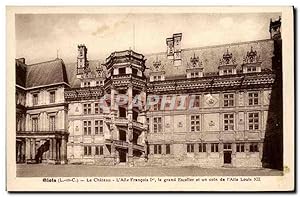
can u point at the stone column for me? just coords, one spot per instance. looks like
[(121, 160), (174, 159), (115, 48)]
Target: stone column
[(54, 151), (33, 149), (63, 150), (27, 149), (51, 149)]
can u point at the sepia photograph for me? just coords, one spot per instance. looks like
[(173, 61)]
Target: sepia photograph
[(150, 96)]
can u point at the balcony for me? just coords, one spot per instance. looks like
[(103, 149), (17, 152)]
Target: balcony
[(120, 144), (137, 125), (121, 121), (138, 147), (75, 94)]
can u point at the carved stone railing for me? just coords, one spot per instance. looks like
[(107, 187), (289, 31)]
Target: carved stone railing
[(74, 94), (138, 147)]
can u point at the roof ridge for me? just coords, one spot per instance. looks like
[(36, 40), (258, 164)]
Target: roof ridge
[(56, 59), (212, 46)]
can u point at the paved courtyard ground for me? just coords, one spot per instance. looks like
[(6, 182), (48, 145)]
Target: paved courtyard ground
[(43, 170)]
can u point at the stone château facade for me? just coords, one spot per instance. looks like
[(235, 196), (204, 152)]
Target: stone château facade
[(208, 106)]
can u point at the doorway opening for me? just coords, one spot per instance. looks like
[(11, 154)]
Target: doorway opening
[(122, 156), (227, 157)]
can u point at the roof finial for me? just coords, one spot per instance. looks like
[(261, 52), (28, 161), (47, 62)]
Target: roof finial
[(57, 54)]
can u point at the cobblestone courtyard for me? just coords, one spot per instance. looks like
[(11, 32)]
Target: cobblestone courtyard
[(42, 170)]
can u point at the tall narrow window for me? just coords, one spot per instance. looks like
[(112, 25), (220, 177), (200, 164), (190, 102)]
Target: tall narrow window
[(197, 101), (99, 150), (228, 100), (52, 123), (157, 124), (168, 149), (195, 123), (253, 121), (35, 99), (87, 109), (253, 98), (52, 97), (87, 127), (228, 122), (190, 148), (98, 127), (240, 148), (214, 148), (254, 147), (157, 149), (98, 109), (87, 150), (35, 124), (202, 148)]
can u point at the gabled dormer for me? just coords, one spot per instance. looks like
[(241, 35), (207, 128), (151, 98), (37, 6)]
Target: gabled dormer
[(251, 62), (227, 65), (157, 72), (194, 68)]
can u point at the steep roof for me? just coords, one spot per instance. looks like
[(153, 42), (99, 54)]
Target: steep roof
[(21, 72), (210, 57), (46, 73)]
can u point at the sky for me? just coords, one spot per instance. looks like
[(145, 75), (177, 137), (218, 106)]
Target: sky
[(43, 37)]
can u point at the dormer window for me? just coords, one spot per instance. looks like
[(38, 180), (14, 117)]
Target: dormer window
[(87, 84), (195, 67), (251, 62), (134, 71), (52, 97), (122, 71), (227, 64), (157, 78), (35, 99)]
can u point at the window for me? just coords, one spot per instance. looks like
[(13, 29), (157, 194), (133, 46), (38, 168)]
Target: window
[(251, 69), (190, 148), (35, 99), (87, 84), (227, 71), (157, 149), (168, 149), (253, 121), (253, 98), (240, 148), (214, 148), (98, 127), (156, 107), (157, 124), (87, 150), (228, 122), (194, 74), (99, 150), (52, 123), (202, 148), (122, 71), (35, 124), (195, 123), (87, 109), (97, 83), (197, 101), (227, 146), (254, 147), (134, 71), (228, 100), (98, 110), (52, 97), (87, 127)]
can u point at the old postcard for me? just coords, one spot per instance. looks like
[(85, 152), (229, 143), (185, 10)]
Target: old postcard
[(150, 99)]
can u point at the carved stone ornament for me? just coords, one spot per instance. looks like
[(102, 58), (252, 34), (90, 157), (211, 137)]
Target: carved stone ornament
[(227, 59), (251, 57)]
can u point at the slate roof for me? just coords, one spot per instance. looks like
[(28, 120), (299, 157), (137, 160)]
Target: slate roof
[(21, 72), (46, 73), (56, 71), (210, 57)]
